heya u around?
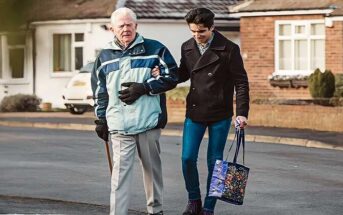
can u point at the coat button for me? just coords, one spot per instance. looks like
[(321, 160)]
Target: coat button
[(210, 74), (193, 105), (193, 88)]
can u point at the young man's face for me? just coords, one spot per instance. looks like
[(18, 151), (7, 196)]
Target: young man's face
[(200, 33), (124, 29)]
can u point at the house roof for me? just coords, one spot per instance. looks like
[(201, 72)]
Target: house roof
[(279, 5), (177, 9), (14, 13), (339, 9), (42, 10)]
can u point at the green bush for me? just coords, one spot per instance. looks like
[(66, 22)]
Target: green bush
[(321, 85), (20, 103), (339, 85)]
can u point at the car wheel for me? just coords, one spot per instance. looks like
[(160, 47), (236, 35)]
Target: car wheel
[(77, 110)]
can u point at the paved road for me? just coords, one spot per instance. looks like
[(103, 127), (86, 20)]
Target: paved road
[(71, 166)]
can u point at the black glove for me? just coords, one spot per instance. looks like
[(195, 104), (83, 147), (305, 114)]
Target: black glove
[(101, 129), (133, 92)]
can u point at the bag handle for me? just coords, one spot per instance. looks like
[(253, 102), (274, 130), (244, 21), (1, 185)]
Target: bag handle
[(240, 140)]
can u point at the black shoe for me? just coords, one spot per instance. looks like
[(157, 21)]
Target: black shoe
[(193, 207), (159, 213), (206, 212)]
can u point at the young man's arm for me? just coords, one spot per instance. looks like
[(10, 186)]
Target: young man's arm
[(183, 73), (167, 78), (240, 81)]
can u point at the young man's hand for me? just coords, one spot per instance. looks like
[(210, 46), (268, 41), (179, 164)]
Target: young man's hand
[(241, 122), (155, 72), (132, 93), (102, 129)]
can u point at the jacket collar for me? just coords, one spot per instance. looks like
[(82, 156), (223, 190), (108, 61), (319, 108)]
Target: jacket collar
[(218, 43), (210, 56), (135, 48)]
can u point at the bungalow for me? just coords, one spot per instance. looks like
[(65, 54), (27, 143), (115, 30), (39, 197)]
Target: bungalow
[(48, 43), (288, 40), (44, 43)]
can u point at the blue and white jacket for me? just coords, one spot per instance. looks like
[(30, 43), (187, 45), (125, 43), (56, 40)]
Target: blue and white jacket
[(115, 66)]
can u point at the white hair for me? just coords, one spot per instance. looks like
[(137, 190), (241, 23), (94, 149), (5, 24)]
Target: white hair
[(123, 11)]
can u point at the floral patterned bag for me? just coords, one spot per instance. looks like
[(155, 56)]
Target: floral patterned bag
[(229, 179)]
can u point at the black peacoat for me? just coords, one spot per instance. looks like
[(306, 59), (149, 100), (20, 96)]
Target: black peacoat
[(214, 77)]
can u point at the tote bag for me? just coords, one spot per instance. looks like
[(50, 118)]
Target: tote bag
[(229, 179)]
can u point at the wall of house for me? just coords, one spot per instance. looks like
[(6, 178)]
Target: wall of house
[(173, 33), (257, 46), (334, 47), (49, 85)]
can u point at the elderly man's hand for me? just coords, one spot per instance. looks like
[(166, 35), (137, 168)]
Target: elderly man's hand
[(102, 129), (241, 122), (133, 92)]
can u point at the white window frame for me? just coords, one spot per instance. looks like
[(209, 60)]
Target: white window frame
[(6, 69), (73, 46), (79, 44), (307, 36)]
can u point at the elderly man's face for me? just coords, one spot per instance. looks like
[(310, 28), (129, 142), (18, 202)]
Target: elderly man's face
[(124, 29), (200, 33)]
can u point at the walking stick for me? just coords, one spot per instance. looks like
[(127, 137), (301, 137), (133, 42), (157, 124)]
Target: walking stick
[(108, 156)]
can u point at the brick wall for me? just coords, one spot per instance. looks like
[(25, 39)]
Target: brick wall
[(334, 47), (257, 44), (283, 116)]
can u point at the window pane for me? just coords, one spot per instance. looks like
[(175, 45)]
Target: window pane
[(17, 62), (285, 30), (317, 29), (78, 58), (300, 29), (62, 52), (285, 55), (300, 49), (79, 37), (317, 54)]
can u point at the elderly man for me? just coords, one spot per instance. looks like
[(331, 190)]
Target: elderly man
[(130, 106)]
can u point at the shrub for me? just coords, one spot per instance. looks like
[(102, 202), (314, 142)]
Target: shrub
[(336, 101), (321, 85), (339, 85), (20, 103)]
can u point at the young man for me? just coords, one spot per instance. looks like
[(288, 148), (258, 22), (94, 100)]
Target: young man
[(130, 106), (215, 69)]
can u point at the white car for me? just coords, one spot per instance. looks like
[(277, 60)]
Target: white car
[(78, 96)]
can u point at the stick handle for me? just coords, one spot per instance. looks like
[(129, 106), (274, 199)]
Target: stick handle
[(108, 156)]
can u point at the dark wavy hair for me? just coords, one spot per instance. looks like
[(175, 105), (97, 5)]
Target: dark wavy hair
[(200, 16)]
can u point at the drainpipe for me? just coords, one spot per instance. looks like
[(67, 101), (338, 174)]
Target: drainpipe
[(33, 34)]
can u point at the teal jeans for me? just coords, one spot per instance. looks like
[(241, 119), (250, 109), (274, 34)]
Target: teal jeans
[(193, 134)]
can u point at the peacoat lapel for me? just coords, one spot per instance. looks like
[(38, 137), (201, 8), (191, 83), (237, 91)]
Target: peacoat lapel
[(210, 56)]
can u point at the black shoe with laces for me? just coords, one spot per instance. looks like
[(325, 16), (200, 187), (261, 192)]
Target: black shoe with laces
[(158, 213), (193, 207)]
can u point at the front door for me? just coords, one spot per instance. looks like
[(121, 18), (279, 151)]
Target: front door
[(13, 65)]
